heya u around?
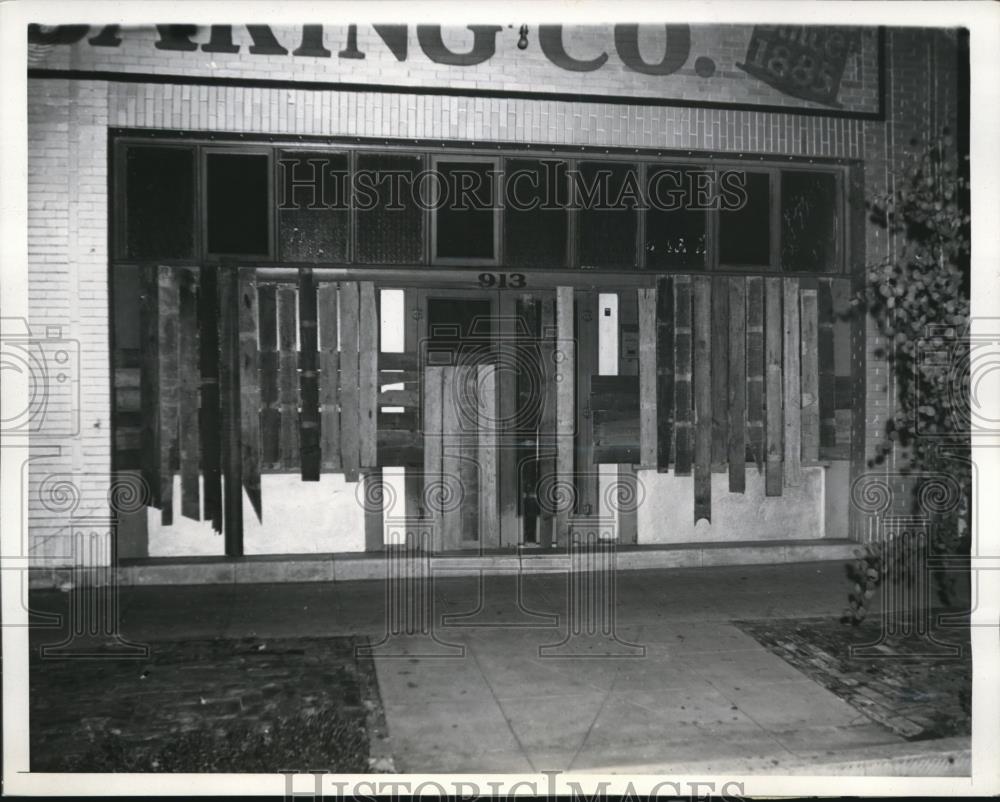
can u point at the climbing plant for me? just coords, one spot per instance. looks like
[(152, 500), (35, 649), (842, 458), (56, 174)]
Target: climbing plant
[(918, 295)]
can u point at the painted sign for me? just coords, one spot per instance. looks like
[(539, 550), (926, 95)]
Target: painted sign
[(672, 64)]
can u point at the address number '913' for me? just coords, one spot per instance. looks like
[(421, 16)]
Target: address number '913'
[(502, 281)]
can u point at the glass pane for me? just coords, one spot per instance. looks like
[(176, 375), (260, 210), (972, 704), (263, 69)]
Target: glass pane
[(313, 216), (238, 203), (389, 219), (608, 194), (744, 232), (808, 221), (677, 220), (159, 198), (465, 217), (536, 197)]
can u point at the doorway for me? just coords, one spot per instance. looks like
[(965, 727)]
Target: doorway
[(495, 441)]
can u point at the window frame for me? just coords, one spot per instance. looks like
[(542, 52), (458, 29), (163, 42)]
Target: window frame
[(272, 212), (498, 218)]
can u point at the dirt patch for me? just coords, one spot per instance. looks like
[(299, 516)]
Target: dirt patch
[(249, 705)]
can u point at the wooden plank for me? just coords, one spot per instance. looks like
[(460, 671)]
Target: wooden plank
[(585, 477), (249, 384), (547, 428), (489, 500), (270, 414), (720, 372), (413, 482), (703, 406), (824, 349), (648, 441), (350, 435), (209, 417), (309, 446), (773, 343), (664, 372), (149, 379), (402, 361), (230, 405), (329, 377), (169, 390), (432, 420), (288, 380), (737, 385), (467, 448), (374, 495), (792, 386), (810, 377), (527, 313), (683, 413), (451, 459), (368, 330), (565, 357), (190, 381), (628, 365), (755, 370), (510, 483)]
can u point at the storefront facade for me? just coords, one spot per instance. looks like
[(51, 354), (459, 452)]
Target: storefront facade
[(289, 344)]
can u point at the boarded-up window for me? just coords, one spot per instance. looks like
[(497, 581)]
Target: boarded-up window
[(809, 221), (677, 220), (238, 203), (609, 194), (744, 231), (390, 222), (159, 208), (535, 213), (313, 212)]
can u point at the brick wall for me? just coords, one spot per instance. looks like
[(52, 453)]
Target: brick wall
[(68, 207)]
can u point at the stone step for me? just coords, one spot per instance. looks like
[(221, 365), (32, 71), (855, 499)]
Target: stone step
[(345, 567)]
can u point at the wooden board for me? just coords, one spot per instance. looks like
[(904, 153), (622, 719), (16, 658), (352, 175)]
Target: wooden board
[(451, 459), (720, 372), (270, 413), (209, 420), (489, 500), (703, 405), (368, 329), (547, 429), (230, 405), (249, 386), (648, 440), (511, 482), (565, 413), (288, 380), (628, 365), (586, 366), (350, 399), (169, 386), (773, 344), (737, 385), (683, 410), (809, 377), (664, 372), (190, 392), (374, 494), (824, 349), (149, 380), (792, 347), (432, 421), (308, 378), (329, 377), (755, 370)]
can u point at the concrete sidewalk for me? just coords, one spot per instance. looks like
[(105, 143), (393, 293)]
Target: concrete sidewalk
[(500, 686)]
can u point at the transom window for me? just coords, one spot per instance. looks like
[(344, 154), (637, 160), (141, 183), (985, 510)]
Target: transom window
[(203, 202)]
